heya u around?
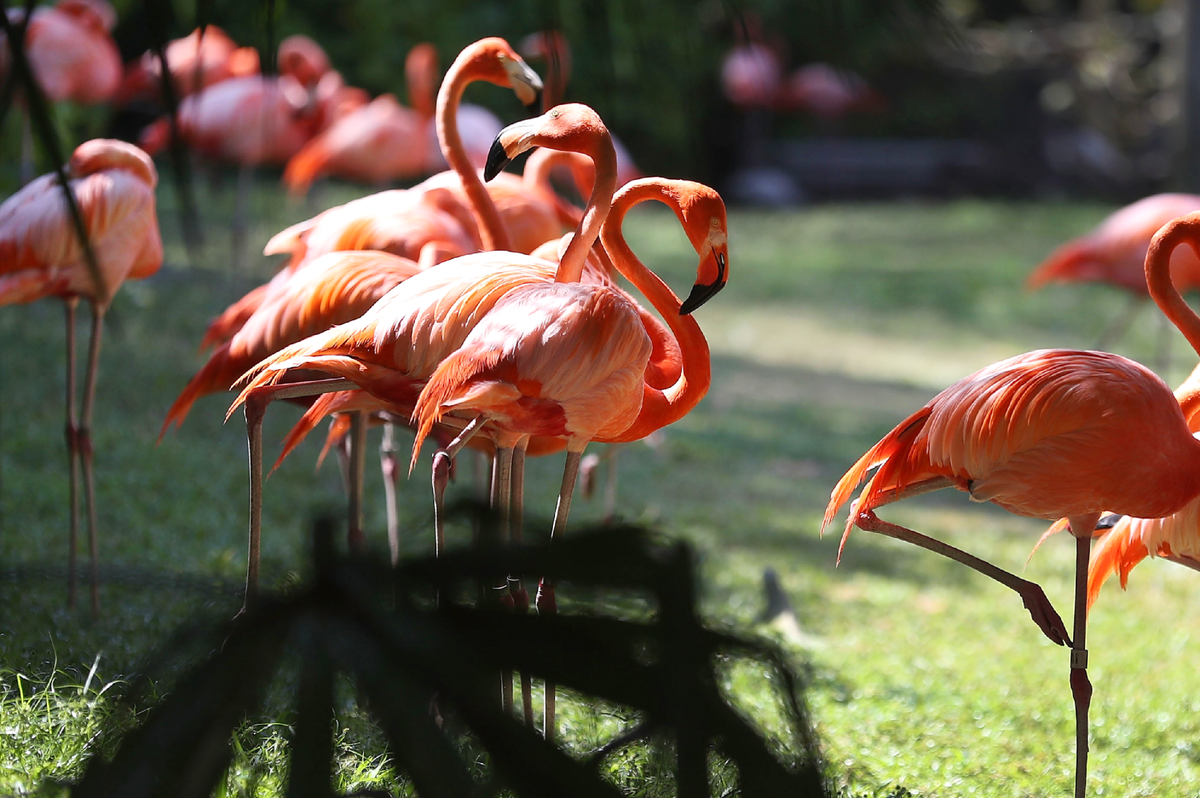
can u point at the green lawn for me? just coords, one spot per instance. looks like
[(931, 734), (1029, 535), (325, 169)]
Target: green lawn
[(837, 322)]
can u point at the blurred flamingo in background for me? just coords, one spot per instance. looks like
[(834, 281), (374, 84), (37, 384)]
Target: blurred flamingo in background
[(205, 56), (827, 92), (1047, 434), (375, 143), (552, 47), (41, 256), (251, 120), (72, 55), (1115, 253)]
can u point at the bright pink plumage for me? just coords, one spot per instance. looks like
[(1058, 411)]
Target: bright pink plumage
[(40, 254)]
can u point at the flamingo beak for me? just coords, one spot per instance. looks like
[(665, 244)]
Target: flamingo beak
[(525, 82), (497, 159), (702, 292)]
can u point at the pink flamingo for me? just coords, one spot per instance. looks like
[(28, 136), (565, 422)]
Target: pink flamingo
[(72, 55), (1115, 253), (1036, 434), (196, 61), (40, 256)]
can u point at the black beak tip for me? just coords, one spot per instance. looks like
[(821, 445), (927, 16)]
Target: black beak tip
[(496, 161), (701, 293)]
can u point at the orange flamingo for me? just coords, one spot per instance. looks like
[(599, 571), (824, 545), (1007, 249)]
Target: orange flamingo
[(40, 256), (203, 57), (1035, 435), (372, 222), (426, 318), (568, 360), (1115, 253), (1124, 541), (378, 142), (333, 289)]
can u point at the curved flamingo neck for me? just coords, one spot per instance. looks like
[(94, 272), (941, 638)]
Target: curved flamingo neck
[(467, 68), (659, 407), (1158, 275), (600, 149)]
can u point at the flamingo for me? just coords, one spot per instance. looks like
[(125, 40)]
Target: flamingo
[(1035, 434), (72, 55), (40, 256), (371, 222), (378, 142), (205, 56), (1124, 541), (426, 318), (333, 289), (1115, 253), (397, 346)]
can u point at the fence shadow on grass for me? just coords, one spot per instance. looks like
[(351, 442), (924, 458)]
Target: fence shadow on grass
[(408, 651)]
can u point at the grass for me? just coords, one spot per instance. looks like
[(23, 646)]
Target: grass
[(837, 322)]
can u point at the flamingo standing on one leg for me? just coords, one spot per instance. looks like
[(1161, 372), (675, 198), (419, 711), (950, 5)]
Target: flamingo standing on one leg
[(1035, 434), (40, 256), (1124, 541), (1115, 253)]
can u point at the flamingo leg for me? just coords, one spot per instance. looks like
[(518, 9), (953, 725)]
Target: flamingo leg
[(84, 440), (545, 602), (502, 506), (72, 434), (441, 476), (610, 485), (1081, 686), (256, 408), (358, 447), (1040, 609), (515, 587), (389, 466)]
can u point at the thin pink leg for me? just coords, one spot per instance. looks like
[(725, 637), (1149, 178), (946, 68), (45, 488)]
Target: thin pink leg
[(545, 602), (1081, 686), (516, 587), (358, 447), (84, 438), (441, 477), (502, 507), (256, 408), (1043, 613), (72, 434), (389, 466)]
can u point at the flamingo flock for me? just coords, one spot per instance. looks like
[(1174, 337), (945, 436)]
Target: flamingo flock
[(482, 310)]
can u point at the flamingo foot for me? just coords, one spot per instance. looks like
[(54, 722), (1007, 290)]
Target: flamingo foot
[(1044, 614)]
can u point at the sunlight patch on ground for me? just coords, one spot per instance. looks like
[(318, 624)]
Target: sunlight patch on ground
[(787, 336)]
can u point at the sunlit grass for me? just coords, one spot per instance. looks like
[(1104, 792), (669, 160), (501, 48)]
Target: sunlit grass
[(838, 321)]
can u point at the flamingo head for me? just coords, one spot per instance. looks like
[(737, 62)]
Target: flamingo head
[(495, 61), (702, 212), (573, 127), (98, 154)]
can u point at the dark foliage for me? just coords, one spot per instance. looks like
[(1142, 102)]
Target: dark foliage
[(408, 652)]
